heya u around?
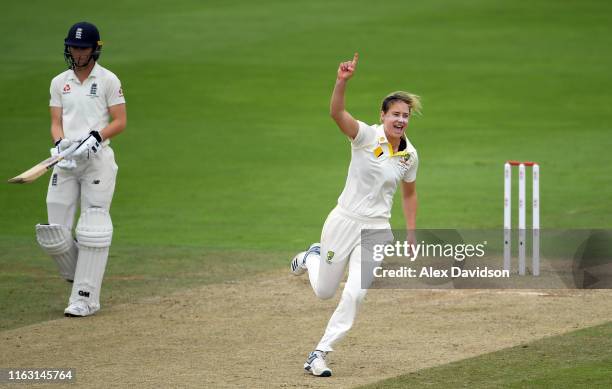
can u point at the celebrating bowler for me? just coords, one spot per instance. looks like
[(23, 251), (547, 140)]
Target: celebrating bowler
[(382, 157)]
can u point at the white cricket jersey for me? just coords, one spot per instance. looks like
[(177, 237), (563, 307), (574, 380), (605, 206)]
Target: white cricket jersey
[(375, 171), (85, 106)]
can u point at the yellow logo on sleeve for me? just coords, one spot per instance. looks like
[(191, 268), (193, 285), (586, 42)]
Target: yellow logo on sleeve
[(378, 152)]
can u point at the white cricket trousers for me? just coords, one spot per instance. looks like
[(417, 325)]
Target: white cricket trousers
[(341, 243), (91, 183)]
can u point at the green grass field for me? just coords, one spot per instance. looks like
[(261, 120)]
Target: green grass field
[(230, 161)]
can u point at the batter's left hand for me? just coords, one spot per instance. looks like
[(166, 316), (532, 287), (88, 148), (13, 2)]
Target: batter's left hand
[(67, 164)]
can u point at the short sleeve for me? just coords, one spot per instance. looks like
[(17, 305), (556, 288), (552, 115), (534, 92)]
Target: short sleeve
[(365, 135), (413, 165), (55, 95), (114, 92)]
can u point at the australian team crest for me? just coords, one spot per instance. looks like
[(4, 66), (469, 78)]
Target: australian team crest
[(330, 256), (407, 160)]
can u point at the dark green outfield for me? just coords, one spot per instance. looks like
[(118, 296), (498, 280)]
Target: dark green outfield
[(230, 161), (229, 143)]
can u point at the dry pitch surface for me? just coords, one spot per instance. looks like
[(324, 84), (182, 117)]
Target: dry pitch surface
[(257, 332)]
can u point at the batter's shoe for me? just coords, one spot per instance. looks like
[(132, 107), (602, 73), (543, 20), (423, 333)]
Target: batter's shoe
[(316, 365), (79, 309), (298, 263)]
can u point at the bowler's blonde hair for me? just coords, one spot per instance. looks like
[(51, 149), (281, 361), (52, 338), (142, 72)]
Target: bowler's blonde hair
[(413, 101)]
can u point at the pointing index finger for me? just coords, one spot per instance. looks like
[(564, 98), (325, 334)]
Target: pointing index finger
[(355, 58)]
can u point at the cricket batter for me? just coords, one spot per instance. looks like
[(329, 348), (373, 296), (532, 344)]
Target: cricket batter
[(87, 107), (381, 159)]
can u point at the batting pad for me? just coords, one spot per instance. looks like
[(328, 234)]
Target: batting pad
[(57, 241), (94, 234)]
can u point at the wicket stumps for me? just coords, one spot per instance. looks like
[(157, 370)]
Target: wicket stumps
[(535, 197)]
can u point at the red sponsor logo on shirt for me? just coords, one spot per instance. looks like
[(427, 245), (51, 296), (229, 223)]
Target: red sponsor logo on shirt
[(67, 88)]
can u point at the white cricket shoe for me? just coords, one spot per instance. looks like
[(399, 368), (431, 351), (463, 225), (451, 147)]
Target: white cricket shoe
[(298, 267), (79, 309), (298, 263), (316, 365)]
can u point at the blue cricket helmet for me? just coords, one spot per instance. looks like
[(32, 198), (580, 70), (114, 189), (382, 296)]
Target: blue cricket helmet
[(82, 34)]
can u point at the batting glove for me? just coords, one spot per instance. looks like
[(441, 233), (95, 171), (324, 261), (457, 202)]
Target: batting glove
[(60, 146), (89, 146)]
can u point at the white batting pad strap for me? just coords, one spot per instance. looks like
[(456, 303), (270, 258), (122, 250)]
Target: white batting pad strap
[(95, 228), (57, 241)]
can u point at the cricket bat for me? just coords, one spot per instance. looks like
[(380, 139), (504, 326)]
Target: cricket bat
[(42, 167)]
